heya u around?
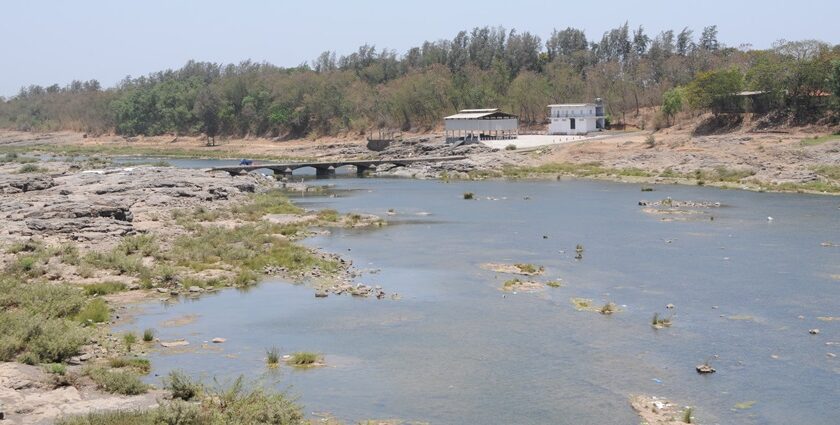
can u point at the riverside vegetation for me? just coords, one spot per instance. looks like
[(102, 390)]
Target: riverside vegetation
[(517, 70)]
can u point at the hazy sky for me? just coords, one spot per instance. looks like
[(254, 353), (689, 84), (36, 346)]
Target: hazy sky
[(45, 42)]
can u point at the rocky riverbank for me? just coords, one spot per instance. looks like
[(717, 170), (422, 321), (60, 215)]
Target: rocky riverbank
[(78, 244)]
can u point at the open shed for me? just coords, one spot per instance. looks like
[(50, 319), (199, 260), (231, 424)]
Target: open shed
[(481, 124)]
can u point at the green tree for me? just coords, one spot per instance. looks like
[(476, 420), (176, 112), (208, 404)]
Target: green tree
[(672, 103), (834, 81), (710, 89), (207, 110)]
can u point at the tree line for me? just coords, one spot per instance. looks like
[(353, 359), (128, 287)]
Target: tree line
[(486, 67)]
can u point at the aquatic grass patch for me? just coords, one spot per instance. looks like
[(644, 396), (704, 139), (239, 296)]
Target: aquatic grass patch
[(469, 195), (249, 247), (529, 269), (328, 215), (554, 284), (117, 382), (261, 204), (103, 288), (583, 304), (521, 285), (304, 359), (608, 308), (744, 405), (659, 322), (148, 335)]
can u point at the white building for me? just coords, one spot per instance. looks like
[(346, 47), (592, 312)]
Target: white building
[(480, 124), (575, 118)]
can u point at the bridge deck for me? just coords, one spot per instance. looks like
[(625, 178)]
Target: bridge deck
[(323, 165)]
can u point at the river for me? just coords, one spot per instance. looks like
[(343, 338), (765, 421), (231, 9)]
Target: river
[(456, 349)]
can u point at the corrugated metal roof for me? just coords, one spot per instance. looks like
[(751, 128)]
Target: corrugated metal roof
[(467, 111), (467, 114)]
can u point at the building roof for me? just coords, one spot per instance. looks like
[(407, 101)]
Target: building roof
[(573, 105), (475, 114)]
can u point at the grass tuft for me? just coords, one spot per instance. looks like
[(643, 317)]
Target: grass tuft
[(272, 356), (137, 364), (148, 335)]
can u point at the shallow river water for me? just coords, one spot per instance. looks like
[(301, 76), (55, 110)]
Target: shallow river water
[(455, 349)]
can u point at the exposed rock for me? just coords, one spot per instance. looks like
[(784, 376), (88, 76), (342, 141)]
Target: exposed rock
[(218, 340), (100, 204), (814, 331), (705, 368), (17, 183)]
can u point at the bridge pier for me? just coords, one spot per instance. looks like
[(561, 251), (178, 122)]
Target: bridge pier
[(362, 169), (325, 171)]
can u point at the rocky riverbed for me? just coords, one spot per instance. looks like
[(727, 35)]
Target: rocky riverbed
[(143, 232)]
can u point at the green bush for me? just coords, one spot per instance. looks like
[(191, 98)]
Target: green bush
[(55, 368), (125, 383), (96, 311), (38, 337), (181, 386), (145, 245)]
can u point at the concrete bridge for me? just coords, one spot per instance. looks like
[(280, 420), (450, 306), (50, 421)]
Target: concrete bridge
[(327, 168)]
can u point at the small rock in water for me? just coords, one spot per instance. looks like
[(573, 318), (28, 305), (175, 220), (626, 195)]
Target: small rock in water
[(320, 294), (195, 289), (830, 355), (813, 331), (669, 306), (705, 368), (218, 340)]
